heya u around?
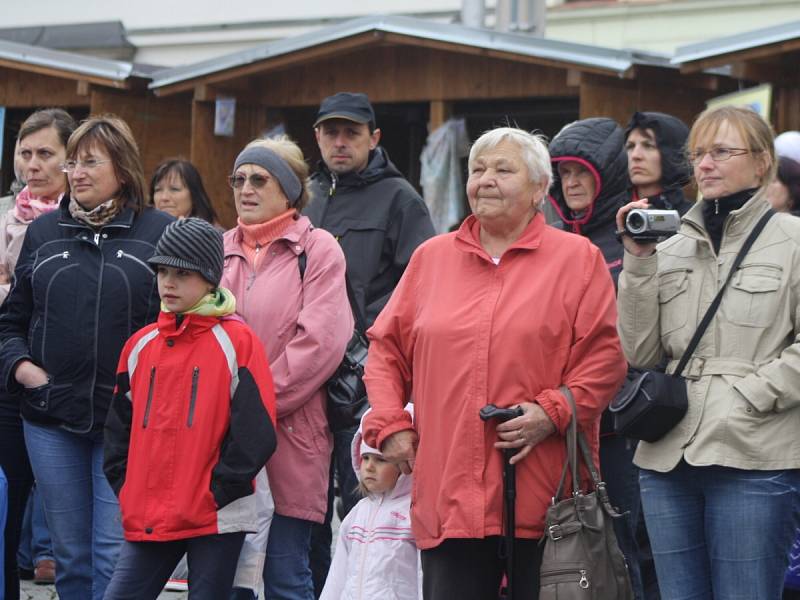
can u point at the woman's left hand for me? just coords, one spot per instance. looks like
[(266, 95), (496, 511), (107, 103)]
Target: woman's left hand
[(526, 431)]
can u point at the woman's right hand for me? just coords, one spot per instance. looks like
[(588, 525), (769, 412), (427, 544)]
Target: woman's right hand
[(632, 246), (30, 375)]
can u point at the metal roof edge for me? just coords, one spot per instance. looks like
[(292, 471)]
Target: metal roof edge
[(569, 52), (763, 36), (68, 61)]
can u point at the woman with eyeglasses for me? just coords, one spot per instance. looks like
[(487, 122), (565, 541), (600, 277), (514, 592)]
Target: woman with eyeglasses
[(289, 283), (721, 490), (82, 287), (40, 151)]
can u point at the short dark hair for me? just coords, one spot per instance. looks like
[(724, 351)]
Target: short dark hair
[(57, 118), (201, 203)]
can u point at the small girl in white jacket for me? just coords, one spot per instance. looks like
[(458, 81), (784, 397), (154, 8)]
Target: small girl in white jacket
[(375, 555)]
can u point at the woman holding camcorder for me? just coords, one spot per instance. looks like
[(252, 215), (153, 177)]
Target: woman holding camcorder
[(720, 489)]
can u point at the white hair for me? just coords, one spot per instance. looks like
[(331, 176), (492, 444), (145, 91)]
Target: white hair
[(533, 151)]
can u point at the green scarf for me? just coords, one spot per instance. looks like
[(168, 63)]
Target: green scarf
[(219, 303)]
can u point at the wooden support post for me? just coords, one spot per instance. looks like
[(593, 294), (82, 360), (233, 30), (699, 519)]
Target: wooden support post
[(440, 111)]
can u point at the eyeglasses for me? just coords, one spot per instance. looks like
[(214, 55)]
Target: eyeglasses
[(716, 154), (256, 181), (89, 164)]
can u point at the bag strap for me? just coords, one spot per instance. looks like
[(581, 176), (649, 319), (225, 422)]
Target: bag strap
[(706, 320), (575, 440), (571, 462), (599, 484), (361, 324)]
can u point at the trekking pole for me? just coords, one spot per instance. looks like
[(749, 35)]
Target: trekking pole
[(489, 412)]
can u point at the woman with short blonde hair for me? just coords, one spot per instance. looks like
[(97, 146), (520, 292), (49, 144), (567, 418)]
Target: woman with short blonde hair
[(721, 490)]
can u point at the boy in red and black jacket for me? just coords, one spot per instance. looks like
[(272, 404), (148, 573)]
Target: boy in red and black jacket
[(190, 425)]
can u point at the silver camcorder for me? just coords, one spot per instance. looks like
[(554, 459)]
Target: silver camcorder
[(650, 225)]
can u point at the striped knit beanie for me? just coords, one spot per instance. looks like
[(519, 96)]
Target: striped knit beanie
[(192, 244)]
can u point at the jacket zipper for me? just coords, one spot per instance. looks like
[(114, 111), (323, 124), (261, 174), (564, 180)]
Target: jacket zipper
[(332, 189), (149, 397), (365, 550), (121, 254), (64, 255), (195, 376)]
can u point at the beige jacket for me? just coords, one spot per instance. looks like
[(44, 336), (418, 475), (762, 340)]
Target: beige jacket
[(12, 233), (744, 380)]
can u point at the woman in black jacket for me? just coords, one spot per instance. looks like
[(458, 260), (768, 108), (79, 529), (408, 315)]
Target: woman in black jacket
[(82, 287), (657, 165)]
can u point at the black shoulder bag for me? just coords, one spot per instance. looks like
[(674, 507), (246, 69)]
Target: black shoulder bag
[(347, 395), (652, 404)]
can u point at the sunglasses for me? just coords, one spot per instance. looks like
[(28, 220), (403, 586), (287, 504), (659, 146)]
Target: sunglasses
[(256, 181)]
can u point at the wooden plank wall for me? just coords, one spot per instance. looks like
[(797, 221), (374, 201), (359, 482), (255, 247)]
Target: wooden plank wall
[(410, 74), (214, 155), (162, 126), (649, 91), (20, 89), (787, 110)]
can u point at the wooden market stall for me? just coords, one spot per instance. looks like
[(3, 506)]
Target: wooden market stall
[(418, 74), (768, 55), (32, 77)]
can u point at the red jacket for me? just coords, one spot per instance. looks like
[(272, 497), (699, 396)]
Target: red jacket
[(461, 332), (190, 426)]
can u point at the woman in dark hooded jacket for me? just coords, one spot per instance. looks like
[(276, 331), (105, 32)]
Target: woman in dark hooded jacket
[(590, 183), (589, 154), (657, 166)]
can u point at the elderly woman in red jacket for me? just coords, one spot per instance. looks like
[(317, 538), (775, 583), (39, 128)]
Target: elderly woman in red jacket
[(503, 311)]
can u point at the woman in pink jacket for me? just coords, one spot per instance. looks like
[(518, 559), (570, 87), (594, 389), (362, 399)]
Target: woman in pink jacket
[(289, 283)]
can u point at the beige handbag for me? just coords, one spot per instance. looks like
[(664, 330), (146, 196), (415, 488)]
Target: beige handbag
[(581, 558)]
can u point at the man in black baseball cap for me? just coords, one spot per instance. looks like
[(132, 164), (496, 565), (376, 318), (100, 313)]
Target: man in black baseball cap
[(347, 106), (359, 196)]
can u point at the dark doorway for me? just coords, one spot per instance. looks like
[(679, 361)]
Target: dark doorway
[(14, 119)]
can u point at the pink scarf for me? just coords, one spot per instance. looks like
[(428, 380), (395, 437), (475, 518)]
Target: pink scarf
[(28, 206)]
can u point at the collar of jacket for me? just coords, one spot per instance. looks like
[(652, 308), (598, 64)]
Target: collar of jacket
[(194, 323), (468, 236), (739, 221), (379, 166), (295, 238), (124, 218)]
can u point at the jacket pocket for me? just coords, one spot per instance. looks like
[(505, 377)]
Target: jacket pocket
[(50, 403), (754, 295), (193, 398), (148, 406), (673, 299)]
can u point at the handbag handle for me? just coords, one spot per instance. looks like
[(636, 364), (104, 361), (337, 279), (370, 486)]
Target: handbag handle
[(575, 439), (706, 320)]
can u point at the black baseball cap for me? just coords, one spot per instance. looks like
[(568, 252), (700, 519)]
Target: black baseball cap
[(346, 105)]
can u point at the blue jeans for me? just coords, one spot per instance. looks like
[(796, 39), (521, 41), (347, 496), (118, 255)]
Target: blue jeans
[(3, 509), (718, 532), (81, 509), (34, 542), (287, 575)]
